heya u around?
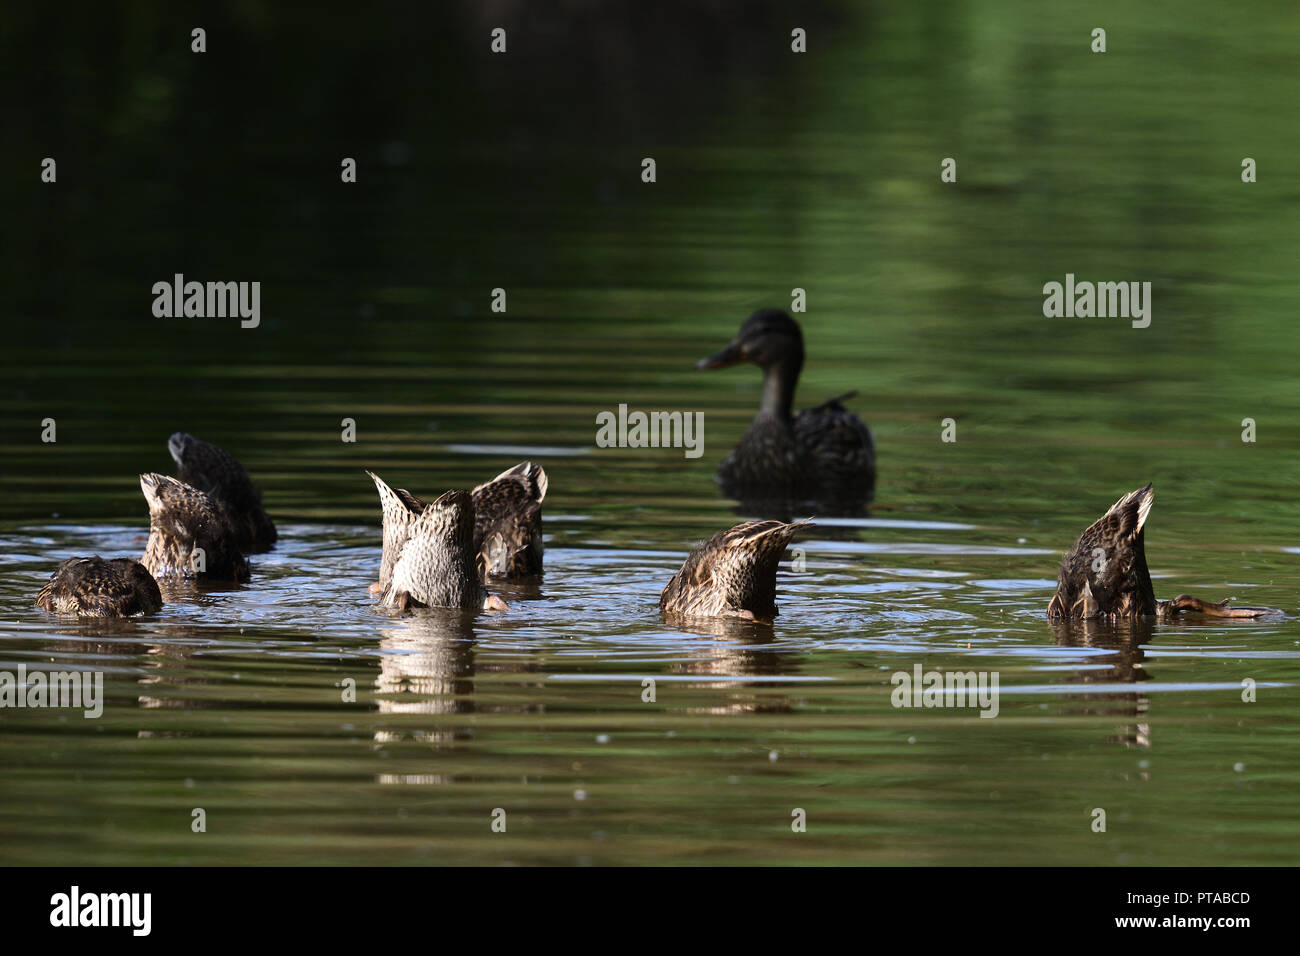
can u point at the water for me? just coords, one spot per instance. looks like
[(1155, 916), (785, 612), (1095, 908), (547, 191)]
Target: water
[(775, 173)]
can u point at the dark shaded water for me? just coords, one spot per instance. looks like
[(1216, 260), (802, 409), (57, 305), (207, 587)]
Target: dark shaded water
[(775, 172)]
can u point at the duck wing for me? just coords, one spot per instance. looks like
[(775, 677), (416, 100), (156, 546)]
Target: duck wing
[(839, 446)]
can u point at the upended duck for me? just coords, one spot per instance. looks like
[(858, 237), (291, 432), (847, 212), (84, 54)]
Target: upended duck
[(733, 574), (1105, 574), (95, 587), (507, 520), (217, 473), (429, 558), (190, 535), (823, 454)]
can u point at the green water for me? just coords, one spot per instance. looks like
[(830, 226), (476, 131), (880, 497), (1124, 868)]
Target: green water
[(775, 171)]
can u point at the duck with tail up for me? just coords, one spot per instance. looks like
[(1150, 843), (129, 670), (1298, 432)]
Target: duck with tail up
[(217, 473), (94, 587), (190, 535), (824, 454), (733, 574), (1105, 574), (429, 559), (507, 521)]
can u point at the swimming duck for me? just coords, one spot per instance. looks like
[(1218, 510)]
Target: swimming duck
[(1105, 574), (189, 534), (94, 587), (733, 574), (218, 474), (508, 522), (824, 453), (429, 558)]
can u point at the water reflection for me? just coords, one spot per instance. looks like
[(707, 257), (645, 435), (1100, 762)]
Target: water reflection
[(742, 649), (426, 666), (1123, 665)]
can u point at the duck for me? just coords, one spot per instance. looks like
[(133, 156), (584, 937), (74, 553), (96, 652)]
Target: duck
[(217, 473), (1105, 575), (508, 522), (190, 535), (95, 587), (429, 559), (733, 574), (824, 454)]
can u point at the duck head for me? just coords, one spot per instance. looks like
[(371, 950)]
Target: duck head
[(768, 337), (771, 340)]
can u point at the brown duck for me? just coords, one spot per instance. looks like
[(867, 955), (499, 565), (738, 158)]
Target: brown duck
[(189, 534), (94, 587), (218, 474), (733, 574), (822, 454), (1105, 574), (429, 558), (507, 522)]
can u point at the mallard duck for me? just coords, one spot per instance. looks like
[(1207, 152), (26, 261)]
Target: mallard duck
[(1105, 574), (189, 534), (94, 587), (508, 522), (429, 558), (824, 453), (733, 574), (218, 474)]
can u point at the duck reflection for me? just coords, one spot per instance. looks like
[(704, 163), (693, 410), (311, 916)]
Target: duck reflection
[(426, 667), (87, 640), (742, 649), (1123, 665)]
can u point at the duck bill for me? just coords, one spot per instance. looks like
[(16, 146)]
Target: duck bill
[(732, 354)]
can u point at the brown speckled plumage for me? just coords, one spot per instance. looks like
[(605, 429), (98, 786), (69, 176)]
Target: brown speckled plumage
[(822, 454), (1105, 576), (733, 574), (94, 587), (508, 522), (218, 474), (429, 558), (182, 519), (400, 509)]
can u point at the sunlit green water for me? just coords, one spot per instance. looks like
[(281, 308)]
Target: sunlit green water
[(775, 172)]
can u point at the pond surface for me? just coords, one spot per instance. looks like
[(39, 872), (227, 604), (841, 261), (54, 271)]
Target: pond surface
[(818, 172)]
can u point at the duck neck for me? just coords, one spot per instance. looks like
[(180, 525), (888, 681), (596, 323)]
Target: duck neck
[(779, 380)]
